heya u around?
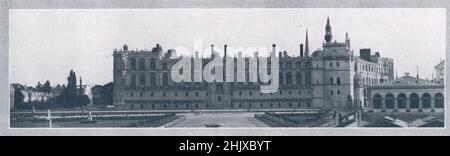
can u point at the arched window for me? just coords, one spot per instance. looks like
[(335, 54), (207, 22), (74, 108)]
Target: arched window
[(288, 65), (331, 80), (152, 64), (438, 100), (308, 64), (133, 80), (141, 64), (414, 98), (338, 81), (377, 101), (308, 78), (133, 64), (288, 78), (142, 79), (164, 66), (165, 81), (298, 78), (153, 79), (389, 100), (297, 65), (426, 100), (281, 78), (401, 101)]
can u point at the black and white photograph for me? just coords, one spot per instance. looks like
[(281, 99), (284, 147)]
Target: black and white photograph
[(225, 68)]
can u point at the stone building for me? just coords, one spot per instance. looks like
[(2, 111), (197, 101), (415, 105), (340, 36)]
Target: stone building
[(406, 94), (324, 78), (439, 72)]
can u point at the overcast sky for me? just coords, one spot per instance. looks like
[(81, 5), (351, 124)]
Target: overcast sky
[(46, 44)]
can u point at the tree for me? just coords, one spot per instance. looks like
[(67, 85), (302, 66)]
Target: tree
[(39, 87), (71, 96), (18, 96), (47, 87)]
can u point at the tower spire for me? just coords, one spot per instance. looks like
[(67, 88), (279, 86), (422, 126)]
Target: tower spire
[(306, 44), (417, 71), (328, 35)]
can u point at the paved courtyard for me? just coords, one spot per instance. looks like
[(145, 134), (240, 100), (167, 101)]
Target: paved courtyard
[(236, 119)]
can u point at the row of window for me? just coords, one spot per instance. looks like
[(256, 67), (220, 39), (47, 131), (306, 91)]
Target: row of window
[(338, 80), (250, 93), (165, 106), (338, 92), (337, 64), (141, 64), (297, 65), (413, 98), (299, 77), (365, 67), (240, 105), (250, 105)]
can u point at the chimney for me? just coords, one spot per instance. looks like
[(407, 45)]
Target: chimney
[(212, 50), (225, 51), (301, 50), (274, 48), (406, 74), (365, 54), (125, 47)]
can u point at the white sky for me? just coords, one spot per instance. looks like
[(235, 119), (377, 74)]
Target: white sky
[(46, 44)]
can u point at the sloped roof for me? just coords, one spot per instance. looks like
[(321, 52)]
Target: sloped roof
[(389, 121), (407, 81), (440, 65), (428, 121)]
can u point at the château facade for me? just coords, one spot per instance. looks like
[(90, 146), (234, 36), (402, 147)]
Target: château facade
[(333, 77)]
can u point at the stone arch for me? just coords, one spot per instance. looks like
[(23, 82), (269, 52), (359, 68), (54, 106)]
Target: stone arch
[(165, 78), (133, 80), (133, 63), (438, 100), (377, 101), (389, 100), (288, 78), (152, 63), (142, 79), (414, 98), (426, 100), (141, 64), (401, 101), (152, 79)]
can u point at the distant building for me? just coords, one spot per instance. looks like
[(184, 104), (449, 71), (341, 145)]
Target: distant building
[(406, 94), (439, 72), (34, 96), (102, 94), (330, 78), (11, 97)]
